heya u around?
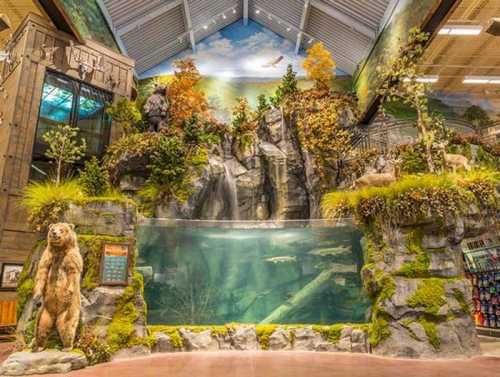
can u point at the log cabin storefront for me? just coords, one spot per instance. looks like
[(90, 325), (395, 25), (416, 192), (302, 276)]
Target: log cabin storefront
[(52, 73)]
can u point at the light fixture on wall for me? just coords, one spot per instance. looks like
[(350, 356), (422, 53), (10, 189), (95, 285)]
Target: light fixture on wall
[(491, 80), (426, 79), (463, 30)]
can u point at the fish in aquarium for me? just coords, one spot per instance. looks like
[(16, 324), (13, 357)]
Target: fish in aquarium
[(331, 251), (284, 259)]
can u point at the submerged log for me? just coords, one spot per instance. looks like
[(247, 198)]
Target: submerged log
[(301, 298)]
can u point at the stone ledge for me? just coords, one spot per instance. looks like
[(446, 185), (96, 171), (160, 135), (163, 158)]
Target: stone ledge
[(246, 338), (49, 361)]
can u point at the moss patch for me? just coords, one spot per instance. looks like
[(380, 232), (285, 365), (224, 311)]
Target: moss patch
[(121, 331), (264, 332), (431, 331), (430, 295), (460, 297), (419, 268)]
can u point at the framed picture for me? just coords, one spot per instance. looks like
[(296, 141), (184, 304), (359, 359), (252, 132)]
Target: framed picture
[(9, 276), (115, 264)]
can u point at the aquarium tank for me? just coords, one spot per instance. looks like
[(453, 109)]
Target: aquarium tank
[(213, 272)]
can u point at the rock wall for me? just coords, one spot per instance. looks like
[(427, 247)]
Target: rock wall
[(113, 315), (421, 299), (335, 338), (273, 179)]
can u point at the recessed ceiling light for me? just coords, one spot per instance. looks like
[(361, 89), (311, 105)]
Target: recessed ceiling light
[(205, 27), (257, 11), (482, 80), (465, 30)]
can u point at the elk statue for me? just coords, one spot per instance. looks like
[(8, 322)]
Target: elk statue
[(453, 161), (379, 179)]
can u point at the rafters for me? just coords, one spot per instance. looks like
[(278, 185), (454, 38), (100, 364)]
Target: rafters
[(189, 24), (344, 18), (303, 21)]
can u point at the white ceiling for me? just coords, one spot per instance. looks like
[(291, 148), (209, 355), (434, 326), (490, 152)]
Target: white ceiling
[(155, 30)]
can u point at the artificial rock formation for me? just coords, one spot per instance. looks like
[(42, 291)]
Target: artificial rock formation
[(273, 179), (422, 300), (114, 315)]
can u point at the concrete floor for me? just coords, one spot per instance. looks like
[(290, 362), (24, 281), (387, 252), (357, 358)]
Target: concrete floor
[(288, 364), (291, 364)]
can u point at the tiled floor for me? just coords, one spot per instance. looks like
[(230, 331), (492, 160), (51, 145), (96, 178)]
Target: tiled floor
[(289, 364)]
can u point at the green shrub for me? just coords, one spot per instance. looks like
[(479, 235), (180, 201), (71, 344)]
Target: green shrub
[(94, 178), (46, 201), (430, 295)]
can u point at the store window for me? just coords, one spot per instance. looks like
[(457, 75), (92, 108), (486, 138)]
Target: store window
[(68, 101)]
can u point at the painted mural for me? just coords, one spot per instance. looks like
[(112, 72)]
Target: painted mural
[(241, 61), (406, 15), (90, 21)]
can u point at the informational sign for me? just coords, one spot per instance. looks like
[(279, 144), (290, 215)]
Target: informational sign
[(114, 265)]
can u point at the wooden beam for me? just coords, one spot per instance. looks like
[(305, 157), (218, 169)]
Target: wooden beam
[(345, 19), (148, 17), (189, 24), (303, 22), (245, 12)]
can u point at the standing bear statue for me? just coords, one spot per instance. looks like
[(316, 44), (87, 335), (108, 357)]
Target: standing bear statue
[(57, 287)]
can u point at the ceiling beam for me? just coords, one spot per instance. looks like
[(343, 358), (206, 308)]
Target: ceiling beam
[(189, 24), (109, 20), (303, 22), (245, 12), (148, 17), (344, 18)]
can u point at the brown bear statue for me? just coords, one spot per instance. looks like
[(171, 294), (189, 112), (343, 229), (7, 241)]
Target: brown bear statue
[(57, 287)]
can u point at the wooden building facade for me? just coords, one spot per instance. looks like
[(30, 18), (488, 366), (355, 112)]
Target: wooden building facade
[(37, 49)]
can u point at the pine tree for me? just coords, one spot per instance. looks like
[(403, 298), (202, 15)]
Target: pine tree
[(94, 178), (287, 86)]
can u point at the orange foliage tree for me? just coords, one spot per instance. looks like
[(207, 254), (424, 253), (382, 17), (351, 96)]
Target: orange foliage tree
[(185, 100), (319, 66)]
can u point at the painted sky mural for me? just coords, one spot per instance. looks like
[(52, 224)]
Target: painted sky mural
[(241, 61), (239, 51)]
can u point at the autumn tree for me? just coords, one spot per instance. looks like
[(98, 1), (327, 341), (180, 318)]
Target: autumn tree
[(319, 66), (401, 82), (63, 147), (185, 100)]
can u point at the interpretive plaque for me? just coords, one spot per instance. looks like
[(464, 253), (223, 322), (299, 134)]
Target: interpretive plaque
[(114, 265)]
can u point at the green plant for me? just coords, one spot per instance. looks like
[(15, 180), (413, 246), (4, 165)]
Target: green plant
[(401, 83), (244, 124), (94, 178), (477, 116), (415, 197), (46, 202), (126, 115), (262, 106), (94, 349), (287, 87), (63, 147)]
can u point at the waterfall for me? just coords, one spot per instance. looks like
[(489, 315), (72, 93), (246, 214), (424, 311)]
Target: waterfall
[(232, 193)]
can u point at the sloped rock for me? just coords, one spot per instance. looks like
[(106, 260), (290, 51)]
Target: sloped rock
[(202, 341), (49, 361), (280, 340), (306, 339), (245, 338), (163, 343)]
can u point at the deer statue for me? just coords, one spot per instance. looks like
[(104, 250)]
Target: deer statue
[(379, 179), (454, 161)]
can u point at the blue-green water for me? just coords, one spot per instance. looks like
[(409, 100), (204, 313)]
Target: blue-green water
[(214, 275)]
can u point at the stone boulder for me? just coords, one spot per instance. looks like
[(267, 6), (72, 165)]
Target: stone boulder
[(48, 361), (245, 338), (131, 353), (280, 340), (162, 343), (199, 341)]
